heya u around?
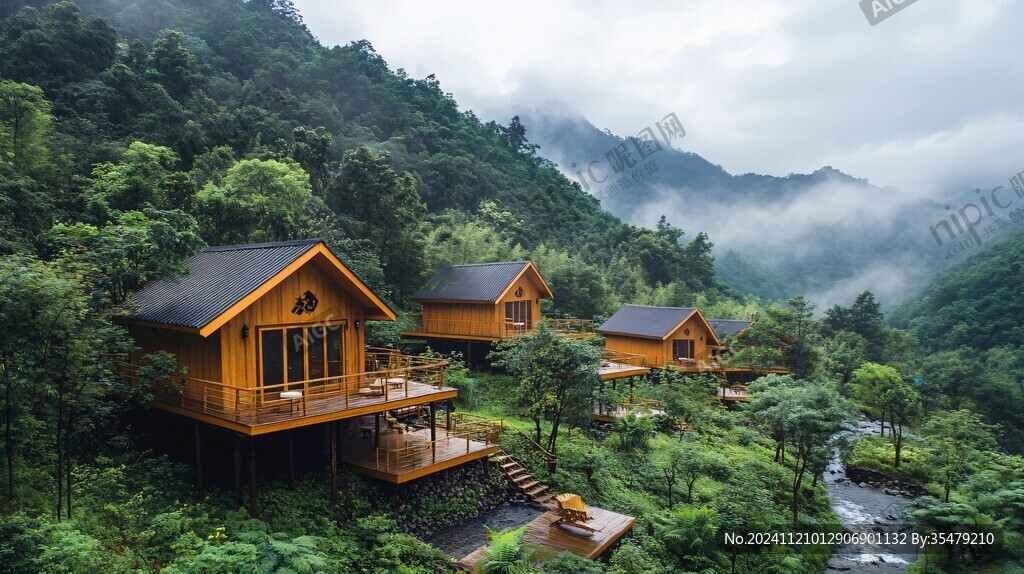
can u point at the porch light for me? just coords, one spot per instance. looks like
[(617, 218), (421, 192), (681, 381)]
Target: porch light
[(245, 331)]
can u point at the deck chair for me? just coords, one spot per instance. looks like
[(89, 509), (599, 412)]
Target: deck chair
[(572, 512)]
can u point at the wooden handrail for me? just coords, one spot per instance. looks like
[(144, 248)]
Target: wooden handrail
[(533, 442), (250, 404)]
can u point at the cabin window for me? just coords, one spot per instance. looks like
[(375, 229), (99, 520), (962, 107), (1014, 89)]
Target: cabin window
[(682, 349), (295, 354), (301, 353), (273, 357), (520, 313)]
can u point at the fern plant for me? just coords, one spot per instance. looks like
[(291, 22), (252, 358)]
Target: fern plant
[(508, 554)]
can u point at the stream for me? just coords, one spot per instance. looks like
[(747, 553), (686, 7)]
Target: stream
[(866, 508)]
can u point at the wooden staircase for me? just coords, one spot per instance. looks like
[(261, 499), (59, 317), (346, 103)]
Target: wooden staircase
[(519, 475)]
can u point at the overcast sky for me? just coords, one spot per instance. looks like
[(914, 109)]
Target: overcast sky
[(929, 99)]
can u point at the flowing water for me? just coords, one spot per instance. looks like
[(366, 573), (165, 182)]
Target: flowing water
[(866, 508)]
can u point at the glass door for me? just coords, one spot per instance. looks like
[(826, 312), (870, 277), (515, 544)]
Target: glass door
[(295, 354)]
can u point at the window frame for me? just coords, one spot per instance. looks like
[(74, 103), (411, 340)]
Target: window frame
[(341, 324)]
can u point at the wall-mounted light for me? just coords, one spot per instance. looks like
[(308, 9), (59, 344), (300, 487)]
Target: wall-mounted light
[(245, 331), (357, 324)]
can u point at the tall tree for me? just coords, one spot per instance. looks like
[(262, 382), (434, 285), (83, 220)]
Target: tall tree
[(558, 376), (257, 201), (389, 212), (957, 440), (810, 415)]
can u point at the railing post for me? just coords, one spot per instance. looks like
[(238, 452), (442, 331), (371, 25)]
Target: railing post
[(305, 398)]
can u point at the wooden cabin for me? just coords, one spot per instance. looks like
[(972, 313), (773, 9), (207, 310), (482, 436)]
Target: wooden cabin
[(481, 302), (679, 338), (664, 336), (271, 338)]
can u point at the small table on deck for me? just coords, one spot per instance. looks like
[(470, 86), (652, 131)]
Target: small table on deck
[(291, 397)]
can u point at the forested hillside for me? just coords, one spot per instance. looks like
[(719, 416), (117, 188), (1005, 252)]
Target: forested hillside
[(825, 235), (968, 320), (228, 121), (134, 132)]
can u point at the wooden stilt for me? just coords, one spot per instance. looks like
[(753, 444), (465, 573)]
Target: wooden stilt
[(291, 462), (199, 461), (253, 509), (433, 422), (334, 461), (238, 471), (376, 430), (448, 414)]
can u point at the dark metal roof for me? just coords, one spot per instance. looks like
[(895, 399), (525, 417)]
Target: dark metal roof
[(483, 282), (217, 278), (728, 327), (645, 320)]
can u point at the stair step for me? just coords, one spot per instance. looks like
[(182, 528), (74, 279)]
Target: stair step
[(516, 471), (537, 490), (523, 478), (526, 487), (508, 465), (503, 457), (542, 498)]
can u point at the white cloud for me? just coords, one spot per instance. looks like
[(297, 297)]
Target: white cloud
[(929, 99)]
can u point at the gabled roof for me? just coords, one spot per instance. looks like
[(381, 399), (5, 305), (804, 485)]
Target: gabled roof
[(650, 322), (478, 282), (222, 281), (728, 327)]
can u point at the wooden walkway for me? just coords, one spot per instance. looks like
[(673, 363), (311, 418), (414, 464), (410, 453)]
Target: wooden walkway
[(552, 541)]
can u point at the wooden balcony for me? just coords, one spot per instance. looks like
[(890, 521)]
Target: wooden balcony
[(399, 456), (616, 365), (395, 382), (465, 330), (734, 393), (641, 408)]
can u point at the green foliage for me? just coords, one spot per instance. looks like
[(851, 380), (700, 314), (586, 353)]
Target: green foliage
[(507, 554), (558, 377), (634, 432), (572, 564), (257, 201)]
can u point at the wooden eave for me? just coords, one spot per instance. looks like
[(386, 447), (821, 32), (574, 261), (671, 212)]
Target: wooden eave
[(376, 309)]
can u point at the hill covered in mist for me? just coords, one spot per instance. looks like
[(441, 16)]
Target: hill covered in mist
[(826, 234)]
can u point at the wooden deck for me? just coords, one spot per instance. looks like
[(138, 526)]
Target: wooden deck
[(279, 414), (401, 457), (622, 410), (734, 394), (552, 541), (610, 370)]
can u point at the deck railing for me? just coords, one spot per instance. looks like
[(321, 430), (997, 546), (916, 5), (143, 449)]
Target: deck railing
[(410, 454), (571, 325), (396, 377), (632, 359)]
